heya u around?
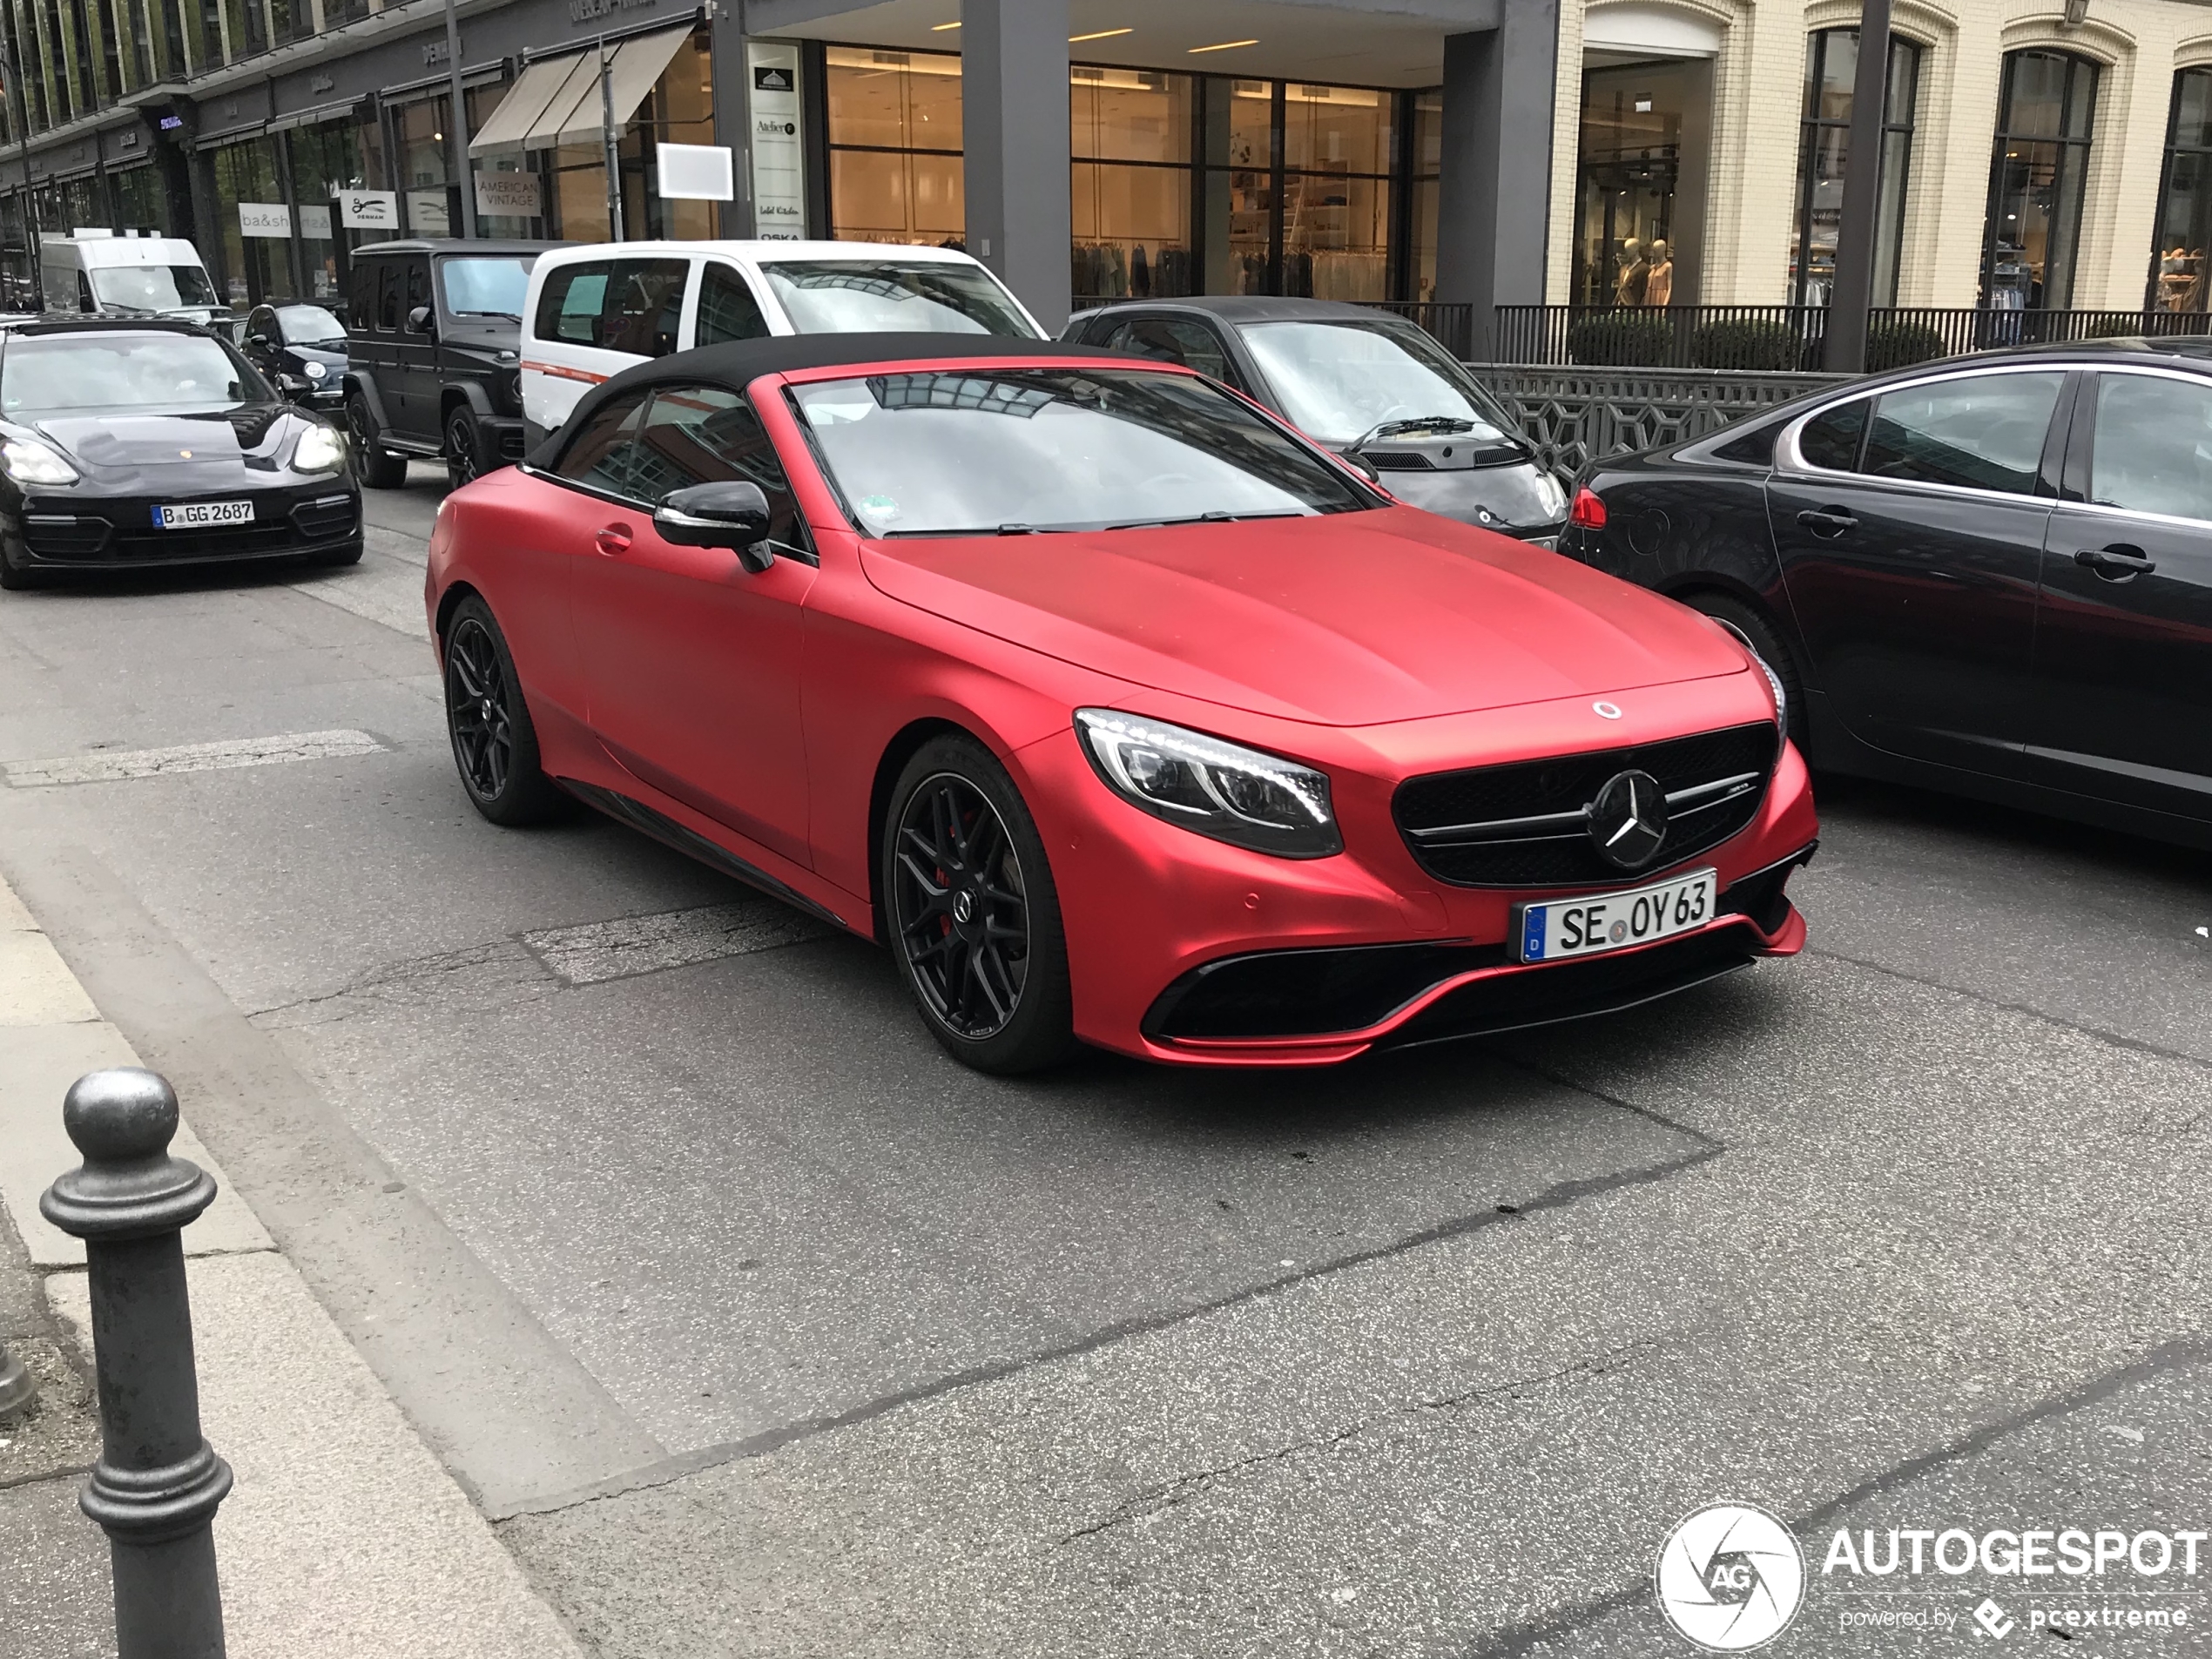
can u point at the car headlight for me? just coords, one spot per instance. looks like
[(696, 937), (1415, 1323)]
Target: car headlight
[(320, 450), (29, 461), (315, 371), (1241, 796), (1552, 495)]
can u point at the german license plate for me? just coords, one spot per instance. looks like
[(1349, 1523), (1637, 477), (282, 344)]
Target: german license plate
[(1562, 927), (203, 515)]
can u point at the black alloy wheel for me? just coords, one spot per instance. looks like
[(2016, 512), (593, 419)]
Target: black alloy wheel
[(380, 468), (463, 465), (494, 745), (972, 912)]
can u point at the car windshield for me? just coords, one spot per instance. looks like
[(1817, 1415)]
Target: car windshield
[(58, 373), (1340, 381), (1008, 451), (309, 326), (482, 286), (152, 288), (895, 296)]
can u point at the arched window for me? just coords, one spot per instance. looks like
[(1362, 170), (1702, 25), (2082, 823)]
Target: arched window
[(1831, 71), (2041, 159), (2178, 272)]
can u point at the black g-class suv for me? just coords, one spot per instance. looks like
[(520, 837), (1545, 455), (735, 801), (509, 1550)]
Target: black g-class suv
[(434, 353)]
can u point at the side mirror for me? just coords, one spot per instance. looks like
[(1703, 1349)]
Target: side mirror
[(720, 515), (418, 320), (260, 340)]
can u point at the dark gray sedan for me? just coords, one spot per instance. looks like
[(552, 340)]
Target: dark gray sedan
[(1369, 384)]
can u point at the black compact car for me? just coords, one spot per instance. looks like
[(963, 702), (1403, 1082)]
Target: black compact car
[(1991, 574), (1368, 384), (132, 444), (299, 346), (436, 355)]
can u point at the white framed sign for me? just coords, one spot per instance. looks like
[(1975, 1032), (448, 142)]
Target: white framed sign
[(428, 214), (778, 154), (515, 195), (314, 223), (265, 218), (368, 210), (695, 173)]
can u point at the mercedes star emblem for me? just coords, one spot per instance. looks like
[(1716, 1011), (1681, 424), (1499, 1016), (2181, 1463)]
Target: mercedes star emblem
[(964, 907), (1629, 819)]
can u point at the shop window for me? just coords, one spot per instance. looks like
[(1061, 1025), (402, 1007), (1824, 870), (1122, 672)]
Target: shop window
[(2184, 230), (1831, 69), (896, 142), (2045, 108), (1640, 182), (1426, 185), (1129, 142)]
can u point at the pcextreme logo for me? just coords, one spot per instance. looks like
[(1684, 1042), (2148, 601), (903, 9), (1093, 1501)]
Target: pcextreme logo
[(1730, 1577)]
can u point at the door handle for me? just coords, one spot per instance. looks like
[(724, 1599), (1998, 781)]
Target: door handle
[(1827, 521), (614, 539), (2118, 563)]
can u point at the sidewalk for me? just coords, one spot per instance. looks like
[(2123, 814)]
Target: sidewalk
[(343, 1536)]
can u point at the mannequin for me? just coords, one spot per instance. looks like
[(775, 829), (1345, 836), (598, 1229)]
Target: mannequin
[(1659, 281), (1627, 289)]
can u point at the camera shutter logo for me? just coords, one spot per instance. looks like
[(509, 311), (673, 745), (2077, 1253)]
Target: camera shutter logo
[(1730, 1578)]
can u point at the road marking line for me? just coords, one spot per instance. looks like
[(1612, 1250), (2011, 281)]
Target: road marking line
[(631, 945), (189, 757)]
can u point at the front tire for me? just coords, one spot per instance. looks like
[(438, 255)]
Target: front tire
[(494, 745), (380, 468), (972, 912), (1763, 641), (464, 462)]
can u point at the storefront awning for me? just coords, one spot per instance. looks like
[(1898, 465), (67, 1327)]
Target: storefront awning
[(558, 99)]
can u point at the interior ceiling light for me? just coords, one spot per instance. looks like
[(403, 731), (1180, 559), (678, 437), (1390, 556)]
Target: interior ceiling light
[(1222, 46), (1102, 34)]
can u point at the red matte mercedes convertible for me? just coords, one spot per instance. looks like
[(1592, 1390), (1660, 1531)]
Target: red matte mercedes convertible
[(1116, 708)]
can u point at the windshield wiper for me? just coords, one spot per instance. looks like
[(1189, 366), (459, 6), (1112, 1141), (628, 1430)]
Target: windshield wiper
[(1202, 518), (978, 530), (1425, 423)]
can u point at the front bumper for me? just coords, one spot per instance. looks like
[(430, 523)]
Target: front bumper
[(59, 531), (1186, 951)]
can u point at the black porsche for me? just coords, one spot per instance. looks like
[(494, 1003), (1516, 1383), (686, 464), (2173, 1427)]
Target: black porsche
[(137, 444), (1992, 575)]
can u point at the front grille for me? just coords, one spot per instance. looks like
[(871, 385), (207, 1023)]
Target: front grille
[(325, 516), (126, 537), (58, 536), (510, 444), (1523, 825)]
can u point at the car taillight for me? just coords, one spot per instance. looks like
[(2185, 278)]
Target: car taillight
[(1588, 511)]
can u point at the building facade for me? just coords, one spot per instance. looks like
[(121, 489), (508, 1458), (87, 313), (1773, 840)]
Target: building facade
[(2036, 153)]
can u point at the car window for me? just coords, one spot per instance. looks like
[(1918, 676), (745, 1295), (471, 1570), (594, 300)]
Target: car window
[(603, 452), (1830, 438), (644, 300), (1977, 431), (570, 304), (364, 296), (2151, 448), (307, 326), (1343, 380), (1172, 340), (982, 451), (418, 287), (262, 321), (728, 309), (897, 296), (387, 298), (701, 435), (485, 285), (55, 373), (84, 301)]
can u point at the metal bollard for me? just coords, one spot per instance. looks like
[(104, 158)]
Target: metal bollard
[(158, 1482), (18, 1386)]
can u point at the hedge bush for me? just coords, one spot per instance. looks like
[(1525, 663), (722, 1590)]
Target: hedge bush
[(1621, 340), (1900, 345), (1747, 345)]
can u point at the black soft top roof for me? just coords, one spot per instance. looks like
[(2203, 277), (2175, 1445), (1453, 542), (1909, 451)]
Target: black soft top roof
[(737, 363)]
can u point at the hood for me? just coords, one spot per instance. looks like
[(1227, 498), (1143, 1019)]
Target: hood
[(295, 358), (1349, 619), (1513, 497), (250, 437)]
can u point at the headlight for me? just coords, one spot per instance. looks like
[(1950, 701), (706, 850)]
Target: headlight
[(29, 461), (1217, 789), (1553, 496), (315, 371), (320, 450)]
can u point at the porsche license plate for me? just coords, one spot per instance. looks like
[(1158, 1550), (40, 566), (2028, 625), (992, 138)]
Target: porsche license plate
[(203, 515), (1562, 927)]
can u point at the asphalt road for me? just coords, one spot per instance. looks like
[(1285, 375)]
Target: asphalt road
[(762, 1328)]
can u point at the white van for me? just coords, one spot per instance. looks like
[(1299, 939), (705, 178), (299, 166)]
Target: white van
[(100, 274), (594, 311)]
